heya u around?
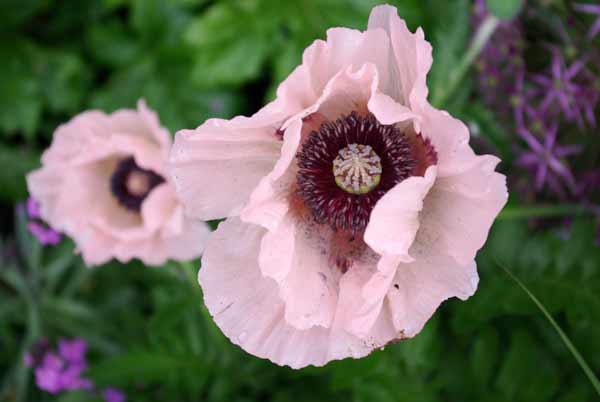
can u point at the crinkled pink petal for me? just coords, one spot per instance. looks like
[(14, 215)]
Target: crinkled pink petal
[(361, 315), (420, 287), (288, 255), (395, 219), (410, 58), (158, 207), (323, 60), (388, 111), (460, 209), (94, 245), (450, 139), (159, 133), (247, 307), (216, 167), (146, 154), (189, 241), (268, 202)]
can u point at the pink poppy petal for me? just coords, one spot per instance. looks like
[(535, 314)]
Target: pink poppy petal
[(150, 119), (247, 308), (395, 219), (268, 202), (147, 154), (410, 57), (216, 167), (388, 111), (323, 60), (450, 140), (189, 241), (82, 138), (304, 277), (158, 207), (460, 209), (370, 290), (420, 287), (95, 246)]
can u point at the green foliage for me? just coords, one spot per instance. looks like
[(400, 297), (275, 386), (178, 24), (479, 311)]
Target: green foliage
[(151, 335), (505, 9), (147, 328), (21, 160), (449, 40)]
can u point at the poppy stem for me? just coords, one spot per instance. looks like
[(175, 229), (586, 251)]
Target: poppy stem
[(563, 336), (483, 34)]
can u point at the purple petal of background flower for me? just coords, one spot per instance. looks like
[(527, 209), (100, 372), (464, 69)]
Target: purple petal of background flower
[(591, 9), (73, 351), (33, 208), (45, 235), (113, 395), (48, 374)]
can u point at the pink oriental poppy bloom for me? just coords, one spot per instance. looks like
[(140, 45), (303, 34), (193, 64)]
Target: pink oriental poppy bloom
[(354, 208), (103, 183)]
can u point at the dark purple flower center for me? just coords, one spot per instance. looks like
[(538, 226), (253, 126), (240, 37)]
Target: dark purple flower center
[(348, 165), (130, 184)]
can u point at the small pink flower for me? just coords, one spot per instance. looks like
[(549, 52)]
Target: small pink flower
[(103, 182), (354, 208)]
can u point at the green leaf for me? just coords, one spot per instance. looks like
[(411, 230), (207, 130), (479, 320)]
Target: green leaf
[(156, 21), (449, 41), (64, 81), (231, 42), (113, 45), (15, 12), (12, 180), (485, 355), (140, 366), (20, 101), (505, 9), (79, 396), (528, 373), (179, 104)]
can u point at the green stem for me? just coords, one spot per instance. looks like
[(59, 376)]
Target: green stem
[(190, 273), (580, 360), (483, 34), (541, 211)]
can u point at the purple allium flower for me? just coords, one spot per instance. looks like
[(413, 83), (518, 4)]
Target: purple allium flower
[(546, 160), (591, 9), (559, 89), (113, 395), (42, 232), (500, 62)]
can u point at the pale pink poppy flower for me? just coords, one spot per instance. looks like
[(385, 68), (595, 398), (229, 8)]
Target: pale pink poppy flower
[(103, 183), (354, 208)]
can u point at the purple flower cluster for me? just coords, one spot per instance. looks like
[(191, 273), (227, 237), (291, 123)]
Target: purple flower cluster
[(546, 104), (42, 232), (593, 9), (61, 369)]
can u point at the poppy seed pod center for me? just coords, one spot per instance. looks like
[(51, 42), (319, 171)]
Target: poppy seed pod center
[(346, 166), (357, 169), (131, 184)]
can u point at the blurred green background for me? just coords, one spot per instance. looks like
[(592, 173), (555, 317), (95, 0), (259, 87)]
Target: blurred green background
[(148, 330)]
